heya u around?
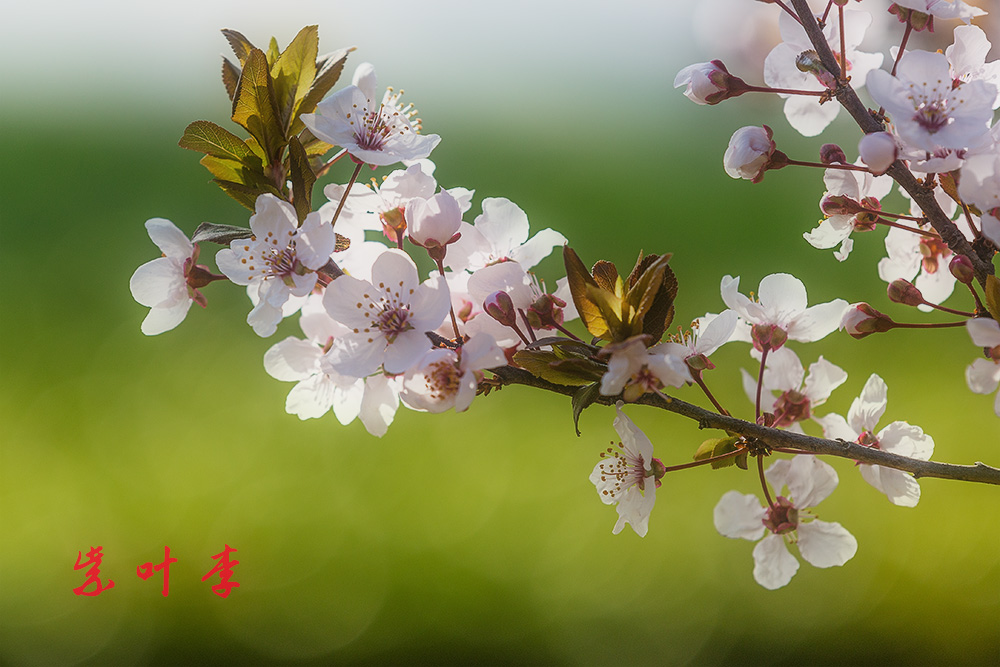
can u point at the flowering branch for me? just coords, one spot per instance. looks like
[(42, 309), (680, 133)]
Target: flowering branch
[(777, 438), (924, 197)]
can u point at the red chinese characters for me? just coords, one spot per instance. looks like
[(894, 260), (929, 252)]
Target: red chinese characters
[(145, 571), (224, 568), (94, 557)]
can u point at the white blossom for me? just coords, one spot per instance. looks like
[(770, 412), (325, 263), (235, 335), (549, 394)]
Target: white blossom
[(162, 284), (983, 375)]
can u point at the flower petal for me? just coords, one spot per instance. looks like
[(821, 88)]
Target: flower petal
[(773, 566), (825, 544), (739, 516)]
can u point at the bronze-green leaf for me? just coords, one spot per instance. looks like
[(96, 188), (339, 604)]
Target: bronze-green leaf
[(230, 77), (583, 399), (548, 366), (207, 137), (254, 106), (273, 51), (302, 177), (221, 234), (240, 45), (579, 279), (294, 71), (992, 292)]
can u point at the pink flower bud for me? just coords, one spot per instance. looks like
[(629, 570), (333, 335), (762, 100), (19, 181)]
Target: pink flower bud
[(878, 150), (750, 153), (832, 154), (961, 267), (546, 312), (861, 320), (433, 222), (709, 83), (500, 307), (904, 292)]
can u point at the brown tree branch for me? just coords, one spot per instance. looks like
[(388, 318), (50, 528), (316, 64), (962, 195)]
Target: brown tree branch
[(979, 472), (924, 197)]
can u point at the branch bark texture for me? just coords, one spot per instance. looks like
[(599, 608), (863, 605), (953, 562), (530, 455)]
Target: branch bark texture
[(979, 472)]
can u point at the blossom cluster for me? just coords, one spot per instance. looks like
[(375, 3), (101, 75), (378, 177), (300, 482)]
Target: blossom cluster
[(379, 331)]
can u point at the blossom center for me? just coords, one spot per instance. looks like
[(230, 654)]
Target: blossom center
[(792, 406), (392, 322), (932, 115), (443, 379), (782, 517), (624, 469)]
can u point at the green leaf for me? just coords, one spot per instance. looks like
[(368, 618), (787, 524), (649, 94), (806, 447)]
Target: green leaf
[(583, 399), (328, 70), (724, 446), (302, 177), (273, 51), (240, 45), (207, 137), (245, 195), (230, 77), (706, 448), (254, 106), (549, 366), (992, 292), (221, 234), (294, 71)]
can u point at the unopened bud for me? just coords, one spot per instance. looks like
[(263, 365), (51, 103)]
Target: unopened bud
[(878, 150), (961, 267), (709, 83), (809, 62), (839, 205), (904, 292), (832, 154), (500, 307), (393, 224), (861, 320)]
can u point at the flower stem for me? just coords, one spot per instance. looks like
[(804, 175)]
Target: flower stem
[(763, 482), (897, 216), (927, 325), (760, 376), (843, 47), (451, 309), (701, 383), (566, 331), (846, 167), (902, 47), (788, 9), (701, 462), (785, 91), (321, 172), (915, 230), (347, 191), (960, 313), (980, 308)]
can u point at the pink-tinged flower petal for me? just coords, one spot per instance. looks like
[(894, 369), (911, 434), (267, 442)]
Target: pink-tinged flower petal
[(635, 442), (635, 508), (433, 221), (164, 318), (358, 355), (782, 295), (809, 480), (817, 321), (537, 248), (430, 304), (835, 427), (982, 376), (292, 360), (985, 332), (264, 318), (807, 116), (311, 398), (739, 516), (395, 273), (159, 282), (348, 394), (171, 241), (869, 407), (898, 486), (825, 544), (342, 299), (906, 440), (315, 241), (744, 307), (823, 378), (379, 405), (716, 332), (509, 277), (405, 351), (503, 223), (773, 566)]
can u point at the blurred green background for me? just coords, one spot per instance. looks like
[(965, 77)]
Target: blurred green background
[(459, 538)]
